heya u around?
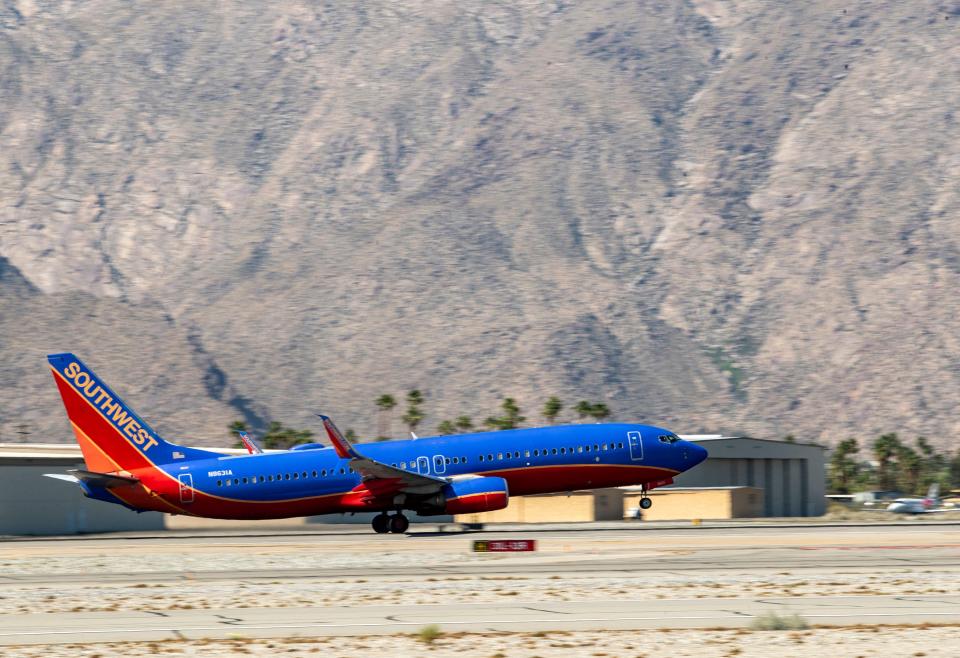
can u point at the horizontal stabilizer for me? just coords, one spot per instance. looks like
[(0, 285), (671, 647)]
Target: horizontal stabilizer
[(105, 480), (62, 476)]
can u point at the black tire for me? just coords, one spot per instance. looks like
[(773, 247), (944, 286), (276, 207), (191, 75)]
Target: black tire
[(399, 524), (645, 503), (381, 524)]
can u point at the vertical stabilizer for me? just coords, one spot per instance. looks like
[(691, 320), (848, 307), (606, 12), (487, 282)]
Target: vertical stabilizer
[(111, 436)]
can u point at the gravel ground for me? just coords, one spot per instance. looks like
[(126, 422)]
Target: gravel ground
[(865, 642), (461, 589)]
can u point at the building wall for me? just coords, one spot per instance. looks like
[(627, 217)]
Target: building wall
[(792, 475), (31, 504), (676, 504), (598, 505)]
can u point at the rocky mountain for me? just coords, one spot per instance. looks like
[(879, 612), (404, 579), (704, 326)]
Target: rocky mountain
[(735, 216)]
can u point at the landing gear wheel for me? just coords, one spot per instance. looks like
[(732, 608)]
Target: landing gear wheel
[(645, 503), (381, 524), (399, 524)]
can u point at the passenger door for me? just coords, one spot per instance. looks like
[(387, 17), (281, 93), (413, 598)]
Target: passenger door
[(635, 439), (186, 487)]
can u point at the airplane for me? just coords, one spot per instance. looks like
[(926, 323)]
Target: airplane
[(928, 505), (129, 464)]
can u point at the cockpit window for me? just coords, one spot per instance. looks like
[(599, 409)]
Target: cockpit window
[(668, 438)]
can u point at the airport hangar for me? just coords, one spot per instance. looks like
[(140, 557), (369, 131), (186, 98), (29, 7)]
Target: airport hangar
[(743, 477)]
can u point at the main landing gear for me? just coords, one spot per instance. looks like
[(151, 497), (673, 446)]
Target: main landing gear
[(383, 523)]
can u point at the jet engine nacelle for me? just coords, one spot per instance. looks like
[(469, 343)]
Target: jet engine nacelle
[(483, 494)]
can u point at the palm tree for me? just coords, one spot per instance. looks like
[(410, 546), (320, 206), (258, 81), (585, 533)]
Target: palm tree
[(385, 403), (511, 418), (583, 409), (279, 437), (552, 408), (237, 426), (884, 449), (414, 415), (600, 411), (843, 466), (910, 467), (447, 427)]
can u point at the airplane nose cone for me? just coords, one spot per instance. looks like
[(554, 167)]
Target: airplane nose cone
[(696, 454)]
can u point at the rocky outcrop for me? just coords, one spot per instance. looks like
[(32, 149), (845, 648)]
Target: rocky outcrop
[(724, 216)]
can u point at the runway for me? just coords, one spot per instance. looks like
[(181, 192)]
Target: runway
[(335, 583), (379, 620)]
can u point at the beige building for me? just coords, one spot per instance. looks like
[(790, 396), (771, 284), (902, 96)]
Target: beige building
[(596, 505), (680, 503)]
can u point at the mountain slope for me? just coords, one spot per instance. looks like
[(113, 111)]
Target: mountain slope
[(716, 216)]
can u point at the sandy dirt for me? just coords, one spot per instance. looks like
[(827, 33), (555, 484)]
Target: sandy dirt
[(860, 642)]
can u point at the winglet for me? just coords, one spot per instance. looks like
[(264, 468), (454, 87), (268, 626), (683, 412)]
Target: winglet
[(249, 443), (343, 447)]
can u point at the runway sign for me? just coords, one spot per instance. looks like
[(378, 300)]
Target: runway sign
[(504, 545)]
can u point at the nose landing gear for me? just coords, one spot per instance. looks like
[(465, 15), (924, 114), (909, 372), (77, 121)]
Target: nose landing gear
[(383, 523), (645, 503)]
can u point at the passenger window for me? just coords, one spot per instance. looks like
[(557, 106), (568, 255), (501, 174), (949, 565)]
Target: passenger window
[(314, 474), (489, 458), (403, 464), (604, 446), (499, 455), (296, 475), (620, 445), (554, 451), (588, 448), (516, 454), (286, 476), (229, 483), (596, 447), (579, 448), (323, 473), (219, 483), (526, 453), (236, 480), (481, 458), (463, 460), (342, 472), (446, 461)]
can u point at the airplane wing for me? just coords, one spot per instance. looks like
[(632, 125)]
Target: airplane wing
[(377, 473)]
